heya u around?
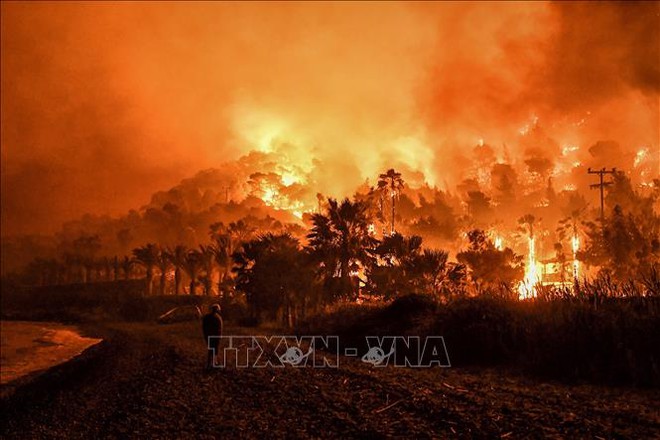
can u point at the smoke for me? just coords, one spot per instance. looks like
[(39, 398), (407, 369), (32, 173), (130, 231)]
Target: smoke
[(104, 104), (584, 72)]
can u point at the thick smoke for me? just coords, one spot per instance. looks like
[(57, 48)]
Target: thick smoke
[(104, 104)]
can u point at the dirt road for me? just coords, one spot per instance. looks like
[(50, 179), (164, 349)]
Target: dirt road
[(147, 381)]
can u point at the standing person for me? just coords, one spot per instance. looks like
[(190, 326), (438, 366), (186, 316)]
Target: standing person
[(212, 329)]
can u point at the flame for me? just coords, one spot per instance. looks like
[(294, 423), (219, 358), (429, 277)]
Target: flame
[(640, 156), (289, 178), (529, 126), (527, 287), (272, 197), (269, 196), (499, 243), (575, 243)]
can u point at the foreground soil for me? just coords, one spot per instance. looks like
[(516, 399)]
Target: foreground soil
[(147, 381)]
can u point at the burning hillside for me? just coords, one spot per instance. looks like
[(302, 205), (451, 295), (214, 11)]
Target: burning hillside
[(499, 131), (455, 201)]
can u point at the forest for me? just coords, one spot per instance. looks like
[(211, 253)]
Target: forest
[(383, 243)]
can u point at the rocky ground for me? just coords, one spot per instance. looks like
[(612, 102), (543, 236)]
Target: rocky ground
[(147, 381)]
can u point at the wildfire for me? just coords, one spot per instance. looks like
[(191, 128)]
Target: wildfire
[(499, 243), (527, 287), (575, 243), (272, 197), (289, 178), (269, 196), (529, 126), (640, 156)]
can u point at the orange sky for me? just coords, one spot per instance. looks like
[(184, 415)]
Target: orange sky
[(105, 103)]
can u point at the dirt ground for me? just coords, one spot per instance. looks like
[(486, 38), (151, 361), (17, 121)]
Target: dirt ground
[(147, 381)]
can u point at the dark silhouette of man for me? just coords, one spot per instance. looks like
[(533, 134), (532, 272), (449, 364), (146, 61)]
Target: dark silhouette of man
[(212, 326)]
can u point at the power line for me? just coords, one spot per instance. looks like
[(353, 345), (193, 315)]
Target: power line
[(601, 185)]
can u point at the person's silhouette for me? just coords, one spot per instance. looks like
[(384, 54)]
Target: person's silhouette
[(212, 329)]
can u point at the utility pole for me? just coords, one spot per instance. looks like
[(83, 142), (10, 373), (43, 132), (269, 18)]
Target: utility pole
[(601, 185), (392, 230)]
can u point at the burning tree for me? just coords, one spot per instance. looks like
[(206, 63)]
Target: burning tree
[(569, 228), (527, 288), (489, 267), (390, 183), (339, 241)]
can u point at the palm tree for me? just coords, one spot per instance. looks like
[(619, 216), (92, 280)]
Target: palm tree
[(207, 261), (569, 227), (429, 269), (192, 264), (392, 181), (240, 232), (177, 257), (275, 274), (163, 263), (115, 268), (526, 223), (397, 249), (86, 247), (127, 267), (340, 240), (222, 250), (147, 256)]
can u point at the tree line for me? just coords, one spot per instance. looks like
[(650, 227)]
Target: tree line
[(278, 269)]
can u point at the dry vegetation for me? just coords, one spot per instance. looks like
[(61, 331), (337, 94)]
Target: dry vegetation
[(147, 381)]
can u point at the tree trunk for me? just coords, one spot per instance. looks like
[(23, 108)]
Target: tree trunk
[(116, 269), (221, 280), (392, 231), (345, 281), (163, 275), (177, 281), (150, 278)]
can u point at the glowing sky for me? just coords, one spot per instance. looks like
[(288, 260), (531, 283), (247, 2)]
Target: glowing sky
[(104, 104)]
